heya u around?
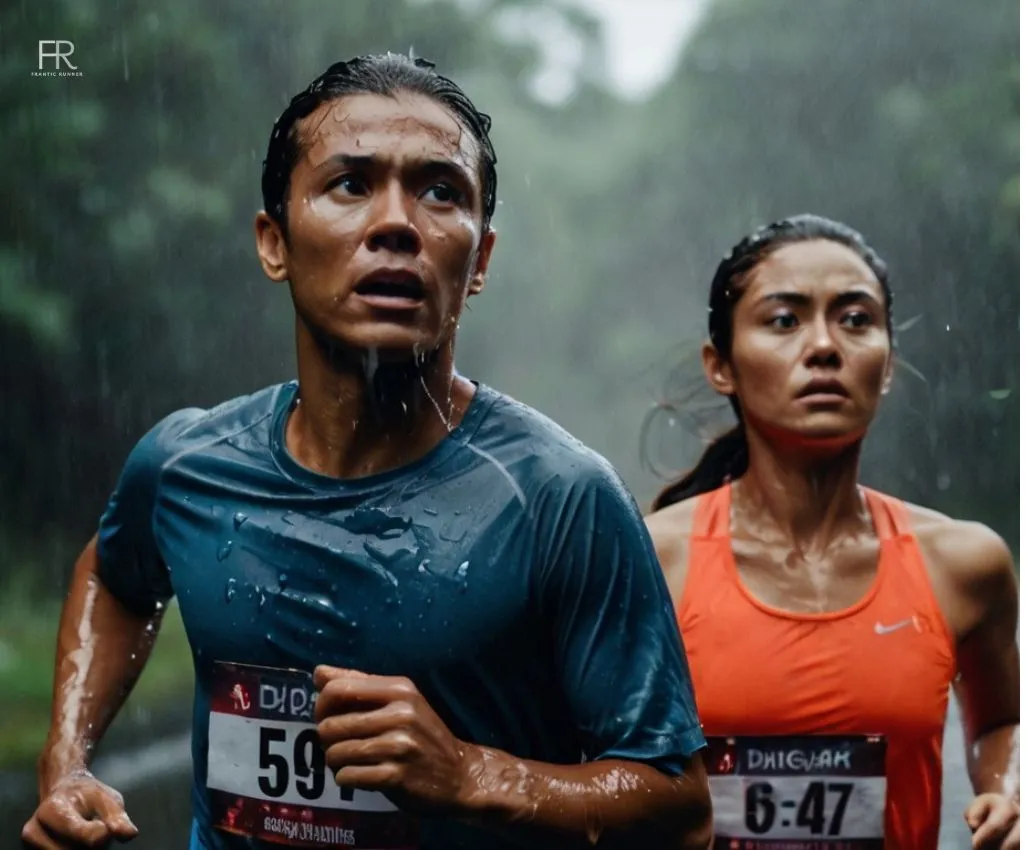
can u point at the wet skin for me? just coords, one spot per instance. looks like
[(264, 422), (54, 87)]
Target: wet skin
[(384, 244), (386, 188), (810, 361)]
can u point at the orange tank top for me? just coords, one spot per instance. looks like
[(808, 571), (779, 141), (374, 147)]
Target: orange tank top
[(825, 730)]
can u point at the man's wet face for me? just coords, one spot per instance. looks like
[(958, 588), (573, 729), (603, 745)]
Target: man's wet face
[(384, 217)]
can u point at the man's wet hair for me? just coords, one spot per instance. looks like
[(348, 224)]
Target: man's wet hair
[(385, 74), (726, 459)]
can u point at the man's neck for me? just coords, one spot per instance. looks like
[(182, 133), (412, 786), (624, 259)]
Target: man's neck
[(808, 498), (358, 416)]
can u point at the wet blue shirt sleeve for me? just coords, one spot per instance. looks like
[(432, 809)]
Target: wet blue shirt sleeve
[(131, 566), (617, 645)]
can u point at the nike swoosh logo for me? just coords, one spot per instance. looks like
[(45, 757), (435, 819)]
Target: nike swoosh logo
[(881, 629)]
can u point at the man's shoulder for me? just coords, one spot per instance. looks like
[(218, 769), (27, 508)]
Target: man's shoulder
[(559, 459), (190, 428)]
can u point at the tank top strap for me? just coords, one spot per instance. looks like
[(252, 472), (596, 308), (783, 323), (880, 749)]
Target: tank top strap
[(890, 516), (903, 559), (712, 514)]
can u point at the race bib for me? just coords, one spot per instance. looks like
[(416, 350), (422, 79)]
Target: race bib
[(817, 792), (266, 775)]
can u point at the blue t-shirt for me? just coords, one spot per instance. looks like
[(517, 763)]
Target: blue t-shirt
[(507, 573)]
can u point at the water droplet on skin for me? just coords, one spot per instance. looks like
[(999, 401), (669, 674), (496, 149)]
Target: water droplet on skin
[(224, 551), (282, 580), (261, 601), (422, 567), (229, 590), (160, 606), (461, 570), (239, 519)]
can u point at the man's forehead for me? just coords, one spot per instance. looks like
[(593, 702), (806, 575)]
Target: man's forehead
[(413, 125)]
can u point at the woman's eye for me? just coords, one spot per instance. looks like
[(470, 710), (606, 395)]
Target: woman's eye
[(784, 321), (856, 319)]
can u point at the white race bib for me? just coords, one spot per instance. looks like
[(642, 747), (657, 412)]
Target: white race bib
[(816, 792), (266, 775)]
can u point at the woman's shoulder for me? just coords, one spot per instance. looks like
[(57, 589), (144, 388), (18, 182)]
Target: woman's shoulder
[(961, 547), (670, 528), (970, 563)]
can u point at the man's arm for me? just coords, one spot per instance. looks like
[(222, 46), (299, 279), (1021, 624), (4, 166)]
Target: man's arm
[(101, 650), (382, 735), (608, 803), (109, 623)]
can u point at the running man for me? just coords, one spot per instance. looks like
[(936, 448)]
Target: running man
[(493, 653), (824, 621)]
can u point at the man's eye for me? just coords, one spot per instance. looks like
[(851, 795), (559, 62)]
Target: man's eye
[(443, 193), (349, 184)]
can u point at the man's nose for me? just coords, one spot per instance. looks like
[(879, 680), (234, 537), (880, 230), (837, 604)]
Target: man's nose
[(391, 226)]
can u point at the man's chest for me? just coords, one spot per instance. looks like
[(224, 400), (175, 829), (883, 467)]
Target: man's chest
[(385, 590)]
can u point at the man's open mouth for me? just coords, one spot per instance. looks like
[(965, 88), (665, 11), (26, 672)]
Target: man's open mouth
[(389, 284)]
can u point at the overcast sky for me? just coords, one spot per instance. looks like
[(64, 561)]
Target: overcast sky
[(643, 38)]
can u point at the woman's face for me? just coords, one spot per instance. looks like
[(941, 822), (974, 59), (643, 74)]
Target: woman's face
[(811, 354)]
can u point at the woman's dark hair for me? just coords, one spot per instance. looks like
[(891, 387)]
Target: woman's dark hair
[(726, 459), (382, 74)]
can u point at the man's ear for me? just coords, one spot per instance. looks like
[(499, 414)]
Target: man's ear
[(484, 257), (272, 248)]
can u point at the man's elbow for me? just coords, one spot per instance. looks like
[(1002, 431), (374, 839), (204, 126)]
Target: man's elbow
[(700, 836), (697, 831), (688, 823)]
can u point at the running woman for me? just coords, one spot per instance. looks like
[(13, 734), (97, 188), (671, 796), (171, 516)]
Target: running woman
[(825, 622), (422, 615)]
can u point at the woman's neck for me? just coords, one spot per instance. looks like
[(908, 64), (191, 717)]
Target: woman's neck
[(808, 496)]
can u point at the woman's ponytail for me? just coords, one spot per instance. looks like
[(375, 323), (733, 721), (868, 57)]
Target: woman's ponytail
[(725, 460)]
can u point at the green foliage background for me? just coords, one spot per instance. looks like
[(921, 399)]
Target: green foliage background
[(129, 284)]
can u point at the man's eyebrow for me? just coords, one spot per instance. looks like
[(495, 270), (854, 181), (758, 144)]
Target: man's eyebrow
[(428, 163)]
